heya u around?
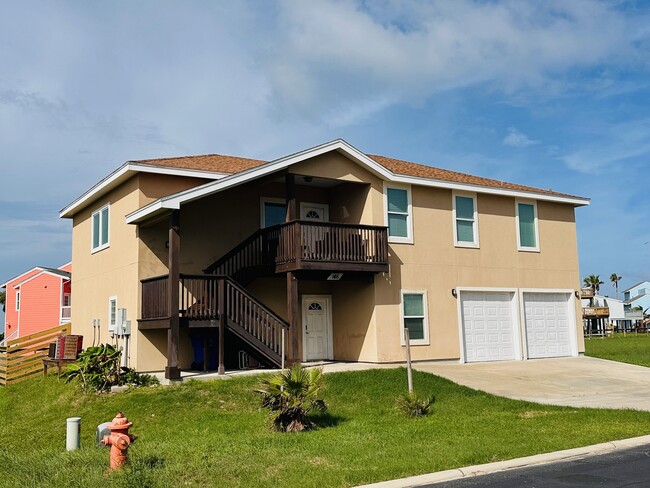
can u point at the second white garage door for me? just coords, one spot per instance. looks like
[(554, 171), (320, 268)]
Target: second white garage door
[(488, 326), (547, 325)]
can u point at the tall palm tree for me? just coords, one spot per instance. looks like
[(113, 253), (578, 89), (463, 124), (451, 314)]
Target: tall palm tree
[(593, 282), (614, 278)]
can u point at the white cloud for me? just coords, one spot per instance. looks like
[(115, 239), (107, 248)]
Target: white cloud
[(611, 147), (515, 138), (328, 55)]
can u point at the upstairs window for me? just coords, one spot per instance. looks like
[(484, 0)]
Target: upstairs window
[(274, 212), (99, 222), (465, 220), (17, 301), (398, 215), (527, 233)]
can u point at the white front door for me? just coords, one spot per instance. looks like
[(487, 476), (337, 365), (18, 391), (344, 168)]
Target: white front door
[(317, 327), (316, 212), (488, 326), (548, 326)]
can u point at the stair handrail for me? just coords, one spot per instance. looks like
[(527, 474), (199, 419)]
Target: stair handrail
[(234, 251), (247, 294)]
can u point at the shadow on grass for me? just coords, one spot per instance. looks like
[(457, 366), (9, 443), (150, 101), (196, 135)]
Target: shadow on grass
[(326, 419)]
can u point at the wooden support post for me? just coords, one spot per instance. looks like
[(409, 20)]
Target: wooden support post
[(222, 325), (293, 307), (173, 336), (290, 196), (293, 314)]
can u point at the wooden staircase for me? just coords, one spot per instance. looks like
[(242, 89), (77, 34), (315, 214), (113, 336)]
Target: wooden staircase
[(252, 258), (219, 299), (211, 301)]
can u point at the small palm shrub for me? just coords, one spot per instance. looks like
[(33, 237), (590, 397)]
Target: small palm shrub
[(291, 396), (413, 405), (98, 368)]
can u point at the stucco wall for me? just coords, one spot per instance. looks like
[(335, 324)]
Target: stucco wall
[(110, 272), (115, 271), (434, 264)]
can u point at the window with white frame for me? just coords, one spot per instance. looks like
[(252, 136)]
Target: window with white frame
[(99, 222), (273, 212), (465, 218), (398, 214), (17, 301), (112, 313), (414, 317), (527, 231)]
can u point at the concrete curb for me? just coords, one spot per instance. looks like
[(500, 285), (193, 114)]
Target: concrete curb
[(470, 471)]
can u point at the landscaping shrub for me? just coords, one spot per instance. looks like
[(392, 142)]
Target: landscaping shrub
[(98, 368), (413, 405), (291, 396)]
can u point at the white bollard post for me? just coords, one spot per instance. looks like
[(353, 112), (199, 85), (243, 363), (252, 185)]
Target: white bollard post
[(73, 433), (409, 370)]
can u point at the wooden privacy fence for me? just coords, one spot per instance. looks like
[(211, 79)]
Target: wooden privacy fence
[(22, 358)]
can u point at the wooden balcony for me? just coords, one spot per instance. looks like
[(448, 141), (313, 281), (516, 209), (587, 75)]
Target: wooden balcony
[(303, 245), (595, 312)]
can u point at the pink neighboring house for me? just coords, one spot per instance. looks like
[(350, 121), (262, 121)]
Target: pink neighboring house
[(36, 300)]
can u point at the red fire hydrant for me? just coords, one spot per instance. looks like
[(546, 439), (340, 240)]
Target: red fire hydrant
[(119, 440)]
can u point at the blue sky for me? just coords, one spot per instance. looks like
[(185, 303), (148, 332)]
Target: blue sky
[(550, 94)]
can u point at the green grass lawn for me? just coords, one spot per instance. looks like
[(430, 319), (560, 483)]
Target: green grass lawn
[(633, 349), (214, 434)]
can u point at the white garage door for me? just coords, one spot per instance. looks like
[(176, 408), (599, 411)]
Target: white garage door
[(488, 326), (547, 324)]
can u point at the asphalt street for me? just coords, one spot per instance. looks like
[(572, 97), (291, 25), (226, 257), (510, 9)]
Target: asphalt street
[(629, 468)]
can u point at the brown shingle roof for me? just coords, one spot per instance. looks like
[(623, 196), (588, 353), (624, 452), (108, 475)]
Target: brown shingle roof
[(419, 170), (216, 163), (219, 163)]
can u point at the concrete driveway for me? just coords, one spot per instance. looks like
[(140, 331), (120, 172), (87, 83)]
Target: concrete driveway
[(574, 382)]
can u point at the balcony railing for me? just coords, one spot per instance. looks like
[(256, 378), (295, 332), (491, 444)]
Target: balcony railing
[(307, 245), (595, 312)]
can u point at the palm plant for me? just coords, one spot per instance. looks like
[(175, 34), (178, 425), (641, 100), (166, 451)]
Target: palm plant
[(593, 282), (614, 278), (291, 396), (413, 405)]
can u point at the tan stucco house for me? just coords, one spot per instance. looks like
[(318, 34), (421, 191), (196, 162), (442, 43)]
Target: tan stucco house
[(330, 250)]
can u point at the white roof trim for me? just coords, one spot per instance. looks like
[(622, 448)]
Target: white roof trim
[(174, 201), (126, 171), (4, 285), (42, 273), (530, 195)]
